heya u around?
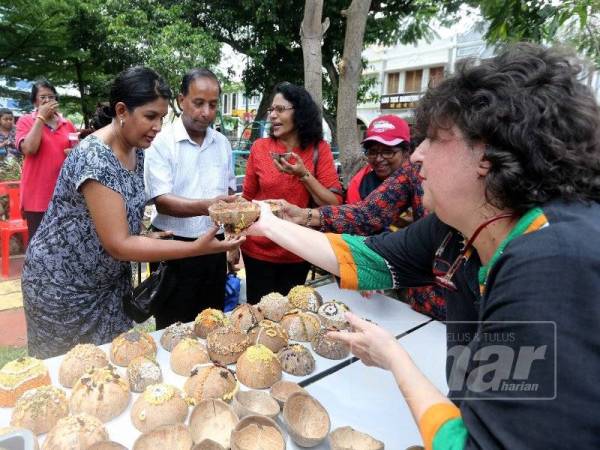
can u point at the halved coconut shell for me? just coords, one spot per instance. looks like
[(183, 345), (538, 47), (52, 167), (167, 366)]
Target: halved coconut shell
[(305, 298), (79, 360), (329, 348), (270, 334), (258, 367), (246, 316), (213, 419), (332, 314), (248, 403), (257, 433), (235, 216), (347, 438), (210, 381), (274, 306), (208, 444), (226, 344), (187, 354), (306, 419), (172, 437), (107, 445), (209, 320), (300, 325), (296, 360), (131, 344), (79, 431), (160, 404), (174, 333), (142, 372), (281, 390)]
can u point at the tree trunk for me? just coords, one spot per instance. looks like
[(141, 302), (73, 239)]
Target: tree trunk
[(81, 87), (350, 70), (311, 34), (261, 113)]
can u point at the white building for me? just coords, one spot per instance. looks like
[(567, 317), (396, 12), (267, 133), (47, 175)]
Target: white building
[(404, 72)]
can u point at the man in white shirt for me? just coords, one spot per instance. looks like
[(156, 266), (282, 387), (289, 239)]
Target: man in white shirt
[(187, 168)]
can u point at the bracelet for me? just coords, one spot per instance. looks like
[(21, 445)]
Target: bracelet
[(41, 118), (320, 218), (309, 217), (304, 176)]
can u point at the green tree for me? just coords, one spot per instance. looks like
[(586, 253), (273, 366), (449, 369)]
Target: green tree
[(572, 22), (85, 43), (268, 32)]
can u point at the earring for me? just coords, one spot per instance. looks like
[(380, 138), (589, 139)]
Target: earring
[(121, 122)]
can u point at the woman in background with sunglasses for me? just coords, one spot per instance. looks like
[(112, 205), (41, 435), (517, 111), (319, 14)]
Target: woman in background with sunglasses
[(294, 164), (510, 168), (43, 137)]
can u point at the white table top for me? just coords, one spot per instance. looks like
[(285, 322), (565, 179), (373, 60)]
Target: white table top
[(392, 314), (368, 398)]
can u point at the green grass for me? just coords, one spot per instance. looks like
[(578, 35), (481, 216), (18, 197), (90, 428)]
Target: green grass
[(9, 353)]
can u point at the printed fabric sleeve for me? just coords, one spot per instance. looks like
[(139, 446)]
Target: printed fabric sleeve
[(93, 163), (24, 125), (325, 171), (158, 174), (377, 211), (360, 267), (442, 428), (251, 179)]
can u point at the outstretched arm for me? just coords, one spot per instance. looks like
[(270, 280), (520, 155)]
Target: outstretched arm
[(311, 245), (107, 210)]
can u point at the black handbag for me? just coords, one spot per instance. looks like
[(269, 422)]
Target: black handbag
[(146, 298)]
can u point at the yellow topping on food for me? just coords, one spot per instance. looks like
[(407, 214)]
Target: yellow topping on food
[(157, 394), (260, 352), (19, 370)]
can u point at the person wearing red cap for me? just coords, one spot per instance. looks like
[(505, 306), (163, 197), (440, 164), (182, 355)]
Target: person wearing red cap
[(387, 147)]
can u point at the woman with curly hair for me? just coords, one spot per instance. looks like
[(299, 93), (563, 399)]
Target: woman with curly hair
[(510, 168), (295, 164)]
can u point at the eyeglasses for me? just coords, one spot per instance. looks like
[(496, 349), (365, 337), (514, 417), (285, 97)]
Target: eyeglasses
[(47, 97), (279, 109), (443, 270), (387, 153)]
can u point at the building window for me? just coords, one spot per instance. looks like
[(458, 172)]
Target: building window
[(393, 82), (436, 75), (234, 101), (225, 104), (412, 81)]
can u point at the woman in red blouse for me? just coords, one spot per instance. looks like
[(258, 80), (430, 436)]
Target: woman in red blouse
[(294, 164), (43, 137)]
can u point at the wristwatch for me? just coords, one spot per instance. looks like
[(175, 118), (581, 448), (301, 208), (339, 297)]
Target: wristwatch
[(305, 176)]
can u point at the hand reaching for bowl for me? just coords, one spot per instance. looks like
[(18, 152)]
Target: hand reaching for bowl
[(370, 342)]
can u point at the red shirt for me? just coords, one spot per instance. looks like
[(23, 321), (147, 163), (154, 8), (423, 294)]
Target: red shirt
[(263, 181), (353, 191), (40, 171)]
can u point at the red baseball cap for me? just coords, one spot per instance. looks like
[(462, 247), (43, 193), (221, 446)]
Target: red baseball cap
[(389, 130)]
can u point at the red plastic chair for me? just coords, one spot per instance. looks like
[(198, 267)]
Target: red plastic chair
[(14, 224)]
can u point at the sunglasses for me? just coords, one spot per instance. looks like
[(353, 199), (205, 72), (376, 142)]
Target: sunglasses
[(443, 270)]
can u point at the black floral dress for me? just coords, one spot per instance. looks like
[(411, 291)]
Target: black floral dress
[(72, 288)]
